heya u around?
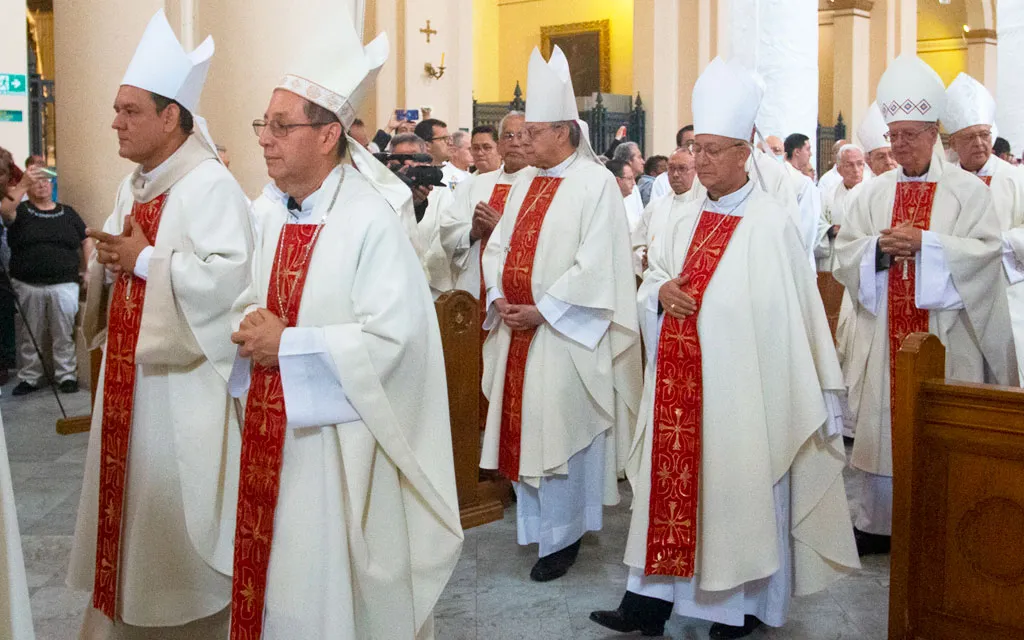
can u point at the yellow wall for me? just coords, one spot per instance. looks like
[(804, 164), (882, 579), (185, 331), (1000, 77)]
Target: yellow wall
[(940, 38), (825, 70), (946, 63), (506, 31)]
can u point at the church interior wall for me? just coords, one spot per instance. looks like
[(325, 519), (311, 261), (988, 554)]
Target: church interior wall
[(941, 41), (14, 135)]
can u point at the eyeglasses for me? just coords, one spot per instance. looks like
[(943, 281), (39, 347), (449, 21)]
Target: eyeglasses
[(444, 139), (280, 129), (517, 135), (907, 136), (710, 151), (981, 136)]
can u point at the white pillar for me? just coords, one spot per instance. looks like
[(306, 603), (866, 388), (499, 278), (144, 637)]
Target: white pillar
[(14, 60), (656, 39), (1010, 94), (451, 96)]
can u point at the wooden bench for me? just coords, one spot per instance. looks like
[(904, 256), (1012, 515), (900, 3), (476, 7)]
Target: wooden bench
[(958, 504)]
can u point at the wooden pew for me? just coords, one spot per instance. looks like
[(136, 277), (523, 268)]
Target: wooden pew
[(832, 297), (458, 314), (957, 565)]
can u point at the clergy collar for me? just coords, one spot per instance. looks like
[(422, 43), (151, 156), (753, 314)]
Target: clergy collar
[(989, 168), (932, 175), (297, 212), (559, 170), (157, 171), (730, 203)]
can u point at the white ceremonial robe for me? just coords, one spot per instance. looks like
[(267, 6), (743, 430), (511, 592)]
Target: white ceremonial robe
[(583, 375), (661, 187), (454, 175), (808, 198), (958, 281), (182, 472), (634, 214), (1007, 189), (833, 211), (462, 253), (828, 181), (15, 613), (435, 261), (656, 215), (366, 531), (773, 520)]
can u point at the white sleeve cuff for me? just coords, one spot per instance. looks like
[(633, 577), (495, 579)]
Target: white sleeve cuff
[(313, 394), (580, 324), (834, 421), (492, 312), (934, 288), (1011, 262), (241, 376), (871, 281), (142, 263)]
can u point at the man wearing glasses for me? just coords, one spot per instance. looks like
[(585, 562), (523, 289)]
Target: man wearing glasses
[(439, 142), (155, 522), (919, 252)]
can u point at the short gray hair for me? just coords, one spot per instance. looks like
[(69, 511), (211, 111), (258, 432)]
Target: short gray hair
[(624, 151), (409, 138), (846, 147), (509, 116), (458, 137)]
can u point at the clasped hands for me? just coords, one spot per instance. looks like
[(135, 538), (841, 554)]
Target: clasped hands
[(259, 337), (518, 317), (902, 241), (675, 298), (119, 253), (485, 218)]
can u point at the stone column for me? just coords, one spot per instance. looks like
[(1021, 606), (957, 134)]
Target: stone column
[(656, 44), (982, 57), (1010, 98), (893, 31), (14, 134), (93, 43), (852, 91)]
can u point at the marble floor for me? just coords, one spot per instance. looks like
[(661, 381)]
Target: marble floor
[(489, 597)]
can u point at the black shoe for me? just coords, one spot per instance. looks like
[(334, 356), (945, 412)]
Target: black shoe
[(848, 441), (555, 565), (869, 544), (69, 386), (721, 631), (23, 389), (636, 613)]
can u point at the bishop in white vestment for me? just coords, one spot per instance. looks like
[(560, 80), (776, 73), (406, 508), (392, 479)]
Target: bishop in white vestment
[(153, 540), (562, 361), (919, 252), (348, 520), (737, 464)]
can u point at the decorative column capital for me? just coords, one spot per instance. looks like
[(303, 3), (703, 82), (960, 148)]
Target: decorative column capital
[(845, 5), (979, 36)]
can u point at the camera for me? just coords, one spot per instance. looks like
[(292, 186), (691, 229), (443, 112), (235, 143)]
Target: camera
[(424, 175)]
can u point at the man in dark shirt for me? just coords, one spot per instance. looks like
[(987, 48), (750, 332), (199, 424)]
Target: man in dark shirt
[(48, 252)]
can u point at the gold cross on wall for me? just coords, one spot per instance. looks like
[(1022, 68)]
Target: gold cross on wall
[(428, 31)]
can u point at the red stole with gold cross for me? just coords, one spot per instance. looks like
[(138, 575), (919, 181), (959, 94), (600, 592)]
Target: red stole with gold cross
[(678, 412), (517, 285), (497, 202), (123, 324), (263, 442), (913, 204)]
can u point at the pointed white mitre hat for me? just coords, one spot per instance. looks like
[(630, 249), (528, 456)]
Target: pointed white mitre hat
[(873, 132), (911, 90), (333, 69), (549, 92), (968, 103), (726, 99), (162, 66)]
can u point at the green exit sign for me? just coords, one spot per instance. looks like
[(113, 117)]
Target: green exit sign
[(13, 84), (7, 115)]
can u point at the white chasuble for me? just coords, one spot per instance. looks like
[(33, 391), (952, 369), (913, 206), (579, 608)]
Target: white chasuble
[(435, 261), (958, 280), (583, 374), (15, 613), (366, 530), (182, 466), (769, 408)]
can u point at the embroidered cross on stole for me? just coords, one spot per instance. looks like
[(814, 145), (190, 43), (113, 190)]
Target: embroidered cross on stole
[(678, 413)]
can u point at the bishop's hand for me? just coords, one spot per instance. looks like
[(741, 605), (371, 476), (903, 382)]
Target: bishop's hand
[(521, 317), (675, 300), (259, 337), (485, 218), (119, 252), (902, 241)]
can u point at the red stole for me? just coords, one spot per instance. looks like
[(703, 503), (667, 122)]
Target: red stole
[(678, 413), (517, 285), (263, 442), (913, 204), (987, 180), (123, 324), (497, 202)]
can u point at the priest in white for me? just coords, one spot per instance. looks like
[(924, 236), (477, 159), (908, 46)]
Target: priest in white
[(808, 197), (153, 540), (919, 252), (828, 181), (348, 520), (970, 119), (562, 361), (738, 500), (873, 135), (661, 186), (682, 173), (479, 203), (850, 167)]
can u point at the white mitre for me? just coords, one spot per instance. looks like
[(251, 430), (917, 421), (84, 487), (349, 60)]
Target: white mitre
[(911, 90), (873, 133), (726, 99), (330, 67), (968, 103), (550, 96), (161, 66)]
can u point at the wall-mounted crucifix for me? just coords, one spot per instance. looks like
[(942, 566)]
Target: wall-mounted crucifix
[(428, 31)]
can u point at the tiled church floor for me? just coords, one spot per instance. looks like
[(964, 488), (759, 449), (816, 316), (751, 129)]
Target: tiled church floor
[(489, 597)]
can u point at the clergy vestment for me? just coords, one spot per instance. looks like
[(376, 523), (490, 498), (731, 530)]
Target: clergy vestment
[(453, 175), (634, 214), (364, 527), (828, 181), (661, 187), (164, 443), (15, 613), (435, 261), (770, 517), (562, 402), (833, 211), (457, 221), (808, 198), (952, 289)]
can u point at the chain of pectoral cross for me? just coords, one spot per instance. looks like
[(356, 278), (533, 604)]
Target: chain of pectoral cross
[(543, 193), (725, 216)]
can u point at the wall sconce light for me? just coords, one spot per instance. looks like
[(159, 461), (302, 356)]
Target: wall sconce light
[(435, 73)]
